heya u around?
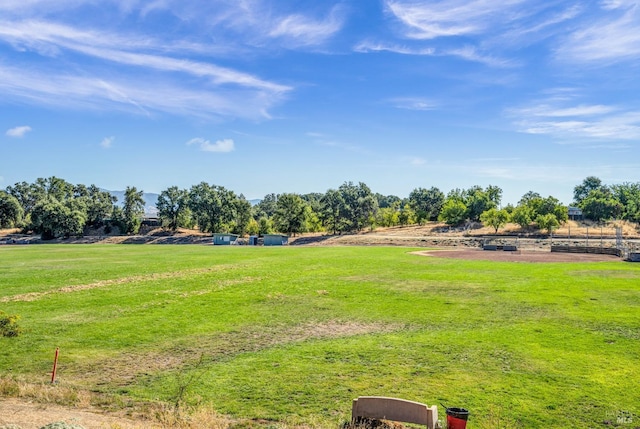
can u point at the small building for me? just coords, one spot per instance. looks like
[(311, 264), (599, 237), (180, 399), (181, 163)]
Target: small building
[(151, 221), (275, 240), (575, 213), (224, 239)]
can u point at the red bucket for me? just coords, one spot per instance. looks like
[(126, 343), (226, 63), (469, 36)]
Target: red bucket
[(457, 418)]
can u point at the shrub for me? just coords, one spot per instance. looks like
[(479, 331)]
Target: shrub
[(9, 325)]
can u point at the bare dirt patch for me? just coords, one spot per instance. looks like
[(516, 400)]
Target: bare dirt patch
[(518, 256), (30, 415)]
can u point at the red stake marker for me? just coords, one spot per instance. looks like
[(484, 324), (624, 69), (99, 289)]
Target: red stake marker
[(55, 366)]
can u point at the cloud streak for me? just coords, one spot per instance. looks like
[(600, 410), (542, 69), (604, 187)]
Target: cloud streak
[(559, 119), (613, 37), (430, 20), (301, 30), (136, 94), (413, 103), (145, 74)]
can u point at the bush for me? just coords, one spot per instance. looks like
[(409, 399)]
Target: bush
[(9, 325)]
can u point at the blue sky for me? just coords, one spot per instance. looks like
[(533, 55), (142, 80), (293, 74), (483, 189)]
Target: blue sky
[(300, 96)]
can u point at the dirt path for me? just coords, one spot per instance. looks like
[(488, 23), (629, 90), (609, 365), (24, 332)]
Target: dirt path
[(519, 256), (30, 415)]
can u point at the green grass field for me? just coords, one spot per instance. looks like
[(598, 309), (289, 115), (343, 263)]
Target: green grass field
[(293, 334)]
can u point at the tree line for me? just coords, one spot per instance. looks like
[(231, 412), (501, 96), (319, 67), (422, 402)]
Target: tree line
[(53, 207)]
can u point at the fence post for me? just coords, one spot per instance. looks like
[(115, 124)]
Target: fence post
[(55, 366)]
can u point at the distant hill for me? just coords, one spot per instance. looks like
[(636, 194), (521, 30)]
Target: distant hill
[(150, 201)]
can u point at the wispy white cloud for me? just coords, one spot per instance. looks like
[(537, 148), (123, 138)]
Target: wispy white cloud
[(107, 142), (564, 121), (471, 53), (18, 131), (301, 30), (467, 52), (139, 93), (488, 32), (139, 72), (51, 38), (413, 103), (415, 160), (611, 36), (369, 46), (555, 111), (225, 145), (429, 20)]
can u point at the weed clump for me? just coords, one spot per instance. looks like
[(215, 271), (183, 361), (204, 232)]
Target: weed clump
[(62, 425), (9, 325)]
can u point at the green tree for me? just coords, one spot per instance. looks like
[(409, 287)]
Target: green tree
[(552, 205), (358, 206), (253, 228), (495, 218), (406, 215), (385, 201), (547, 222), (314, 223), (266, 207), (27, 195), (52, 219), (331, 204), (242, 209), (98, 203), (532, 205), (528, 199), (291, 214), (581, 191), (55, 187), (453, 212), (213, 207), (522, 216), (388, 217), (600, 205), (628, 195), (479, 201), (427, 203), (495, 194), (265, 226), (10, 211), (132, 210), (172, 206)]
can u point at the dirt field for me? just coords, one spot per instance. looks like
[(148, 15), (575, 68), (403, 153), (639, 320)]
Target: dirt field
[(519, 256)]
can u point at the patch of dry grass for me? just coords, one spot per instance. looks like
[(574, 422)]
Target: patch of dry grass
[(34, 296), (124, 369), (45, 393)]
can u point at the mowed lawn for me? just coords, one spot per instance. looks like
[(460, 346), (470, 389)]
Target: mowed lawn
[(295, 333)]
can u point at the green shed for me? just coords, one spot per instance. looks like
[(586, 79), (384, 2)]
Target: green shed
[(275, 239), (224, 239)]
